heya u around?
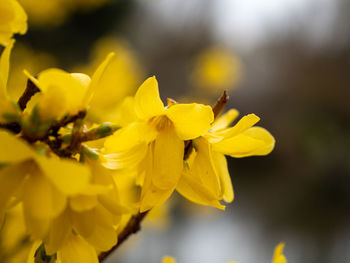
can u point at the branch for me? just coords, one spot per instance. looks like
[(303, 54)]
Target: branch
[(220, 104), (133, 226), (29, 92), (13, 127)]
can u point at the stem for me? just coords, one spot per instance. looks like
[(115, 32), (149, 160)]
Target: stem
[(13, 127), (133, 226), (220, 104), (29, 92)]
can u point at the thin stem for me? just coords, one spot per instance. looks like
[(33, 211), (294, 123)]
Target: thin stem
[(133, 226), (220, 104), (29, 92)]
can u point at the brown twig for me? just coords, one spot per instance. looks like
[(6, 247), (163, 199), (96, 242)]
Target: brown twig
[(29, 92), (13, 127), (220, 104), (133, 226)]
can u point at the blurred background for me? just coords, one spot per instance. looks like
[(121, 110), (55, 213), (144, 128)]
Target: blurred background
[(287, 61)]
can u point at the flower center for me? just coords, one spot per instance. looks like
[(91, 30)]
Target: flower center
[(161, 122)]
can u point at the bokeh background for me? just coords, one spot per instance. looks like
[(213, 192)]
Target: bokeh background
[(288, 61)]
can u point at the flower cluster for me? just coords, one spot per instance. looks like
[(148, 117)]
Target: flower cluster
[(60, 163)]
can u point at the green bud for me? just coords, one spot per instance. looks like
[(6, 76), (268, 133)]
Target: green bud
[(89, 152)]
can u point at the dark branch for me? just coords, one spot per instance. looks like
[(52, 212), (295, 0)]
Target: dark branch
[(29, 92), (13, 127), (133, 226), (220, 104), (65, 121)]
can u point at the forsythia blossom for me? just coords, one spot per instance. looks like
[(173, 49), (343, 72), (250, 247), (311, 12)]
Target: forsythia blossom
[(62, 168), (156, 141)]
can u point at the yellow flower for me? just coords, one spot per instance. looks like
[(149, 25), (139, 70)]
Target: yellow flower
[(13, 19), (157, 138), (206, 179), (278, 256), (94, 214), (41, 183), (64, 93)]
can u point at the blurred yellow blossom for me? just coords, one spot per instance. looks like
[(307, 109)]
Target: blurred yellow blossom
[(55, 12), (24, 57), (7, 106), (278, 256), (121, 78), (13, 19), (168, 259), (14, 241), (216, 68)]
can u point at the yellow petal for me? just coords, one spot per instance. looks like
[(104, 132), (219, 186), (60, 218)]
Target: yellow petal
[(59, 232), (278, 256), (168, 159), (151, 196), (225, 120), (147, 100), (4, 69), (13, 149), (224, 176), (68, 176), (83, 79), (14, 20), (11, 178), (36, 228), (41, 200), (96, 78), (130, 136), (84, 222), (154, 196), (125, 159), (112, 205), (72, 91), (203, 167), (190, 187), (81, 203), (242, 125), (103, 238), (254, 141), (190, 120), (77, 250)]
